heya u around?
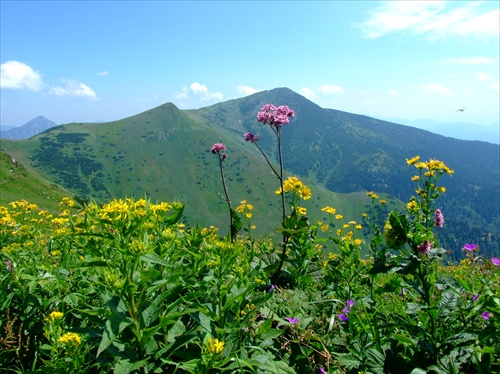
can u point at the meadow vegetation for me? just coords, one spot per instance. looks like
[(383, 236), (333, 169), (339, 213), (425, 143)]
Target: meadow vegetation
[(126, 287)]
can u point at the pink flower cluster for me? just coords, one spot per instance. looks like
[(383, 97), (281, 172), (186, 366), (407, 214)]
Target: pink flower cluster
[(439, 218), (275, 116), (217, 147), (425, 247)]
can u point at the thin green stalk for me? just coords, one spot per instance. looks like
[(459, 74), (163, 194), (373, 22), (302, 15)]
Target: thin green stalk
[(283, 206), (232, 231)]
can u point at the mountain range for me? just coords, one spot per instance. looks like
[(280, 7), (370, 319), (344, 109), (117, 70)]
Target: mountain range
[(457, 130), (164, 153), (29, 129)]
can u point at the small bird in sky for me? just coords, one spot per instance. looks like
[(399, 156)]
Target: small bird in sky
[(461, 109)]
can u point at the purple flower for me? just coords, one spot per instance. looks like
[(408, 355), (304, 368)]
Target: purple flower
[(8, 265), (346, 310), (475, 297), (292, 320), (470, 247), (270, 115), (403, 292), (486, 315), (271, 288), (343, 317), (495, 261), (217, 147), (425, 247), (350, 303), (249, 137), (322, 371), (439, 218)]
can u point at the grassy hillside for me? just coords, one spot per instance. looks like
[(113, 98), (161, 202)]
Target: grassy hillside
[(18, 182), (164, 153)]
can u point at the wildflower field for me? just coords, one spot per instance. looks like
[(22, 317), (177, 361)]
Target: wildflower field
[(124, 287)]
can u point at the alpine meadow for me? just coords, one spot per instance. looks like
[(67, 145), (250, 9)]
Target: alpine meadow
[(258, 235)]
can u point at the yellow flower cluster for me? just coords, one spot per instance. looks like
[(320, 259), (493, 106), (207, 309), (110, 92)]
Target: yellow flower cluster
[(329, 210), (70, 338), (215, 346), (117, 209), (54, 316), (293, 184), (431, 165), (372, 194), (245, 209)]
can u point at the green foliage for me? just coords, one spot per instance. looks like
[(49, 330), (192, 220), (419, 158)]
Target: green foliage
[(125, 287)]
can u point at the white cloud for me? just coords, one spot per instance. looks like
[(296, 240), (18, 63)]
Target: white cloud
[(436, 19), (103, 73), (200, 91), (483, 77), (199, 88), (183, 94), (307, 92), (247, 90), (495, 86), (73, 88), (330, 89), (394, 92), (432, 88), (467, 61), (16, 75)]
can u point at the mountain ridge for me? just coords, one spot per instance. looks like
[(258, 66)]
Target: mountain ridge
[(31, 128), (164, 152)]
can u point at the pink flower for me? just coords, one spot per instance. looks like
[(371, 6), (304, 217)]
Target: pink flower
[(425, 247), (275, 116), (470, 247), (439, 218), (249, 137), (292, 320), (217, 147), (495, 261)]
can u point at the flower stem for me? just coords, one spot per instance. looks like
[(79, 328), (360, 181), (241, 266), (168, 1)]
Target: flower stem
[(232, 231)]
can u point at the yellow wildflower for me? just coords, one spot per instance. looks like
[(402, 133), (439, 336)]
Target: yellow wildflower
[(301, 210), (324, 227), (70, 338), (412, 160), (305, 193), (383, 202), (421, 165), (339, 216), (54, 316), (415, 178), (215, 346), (329, 210)]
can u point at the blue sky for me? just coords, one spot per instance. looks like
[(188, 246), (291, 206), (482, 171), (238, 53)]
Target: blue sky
[(101, 61)]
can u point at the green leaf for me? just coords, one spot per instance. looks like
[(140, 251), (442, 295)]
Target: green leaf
[(404, 339), (114, 326), (175, 331), (125, 366)]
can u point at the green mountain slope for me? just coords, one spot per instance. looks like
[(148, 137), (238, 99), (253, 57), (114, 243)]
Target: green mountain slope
[(164, 153), (18, 182)]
